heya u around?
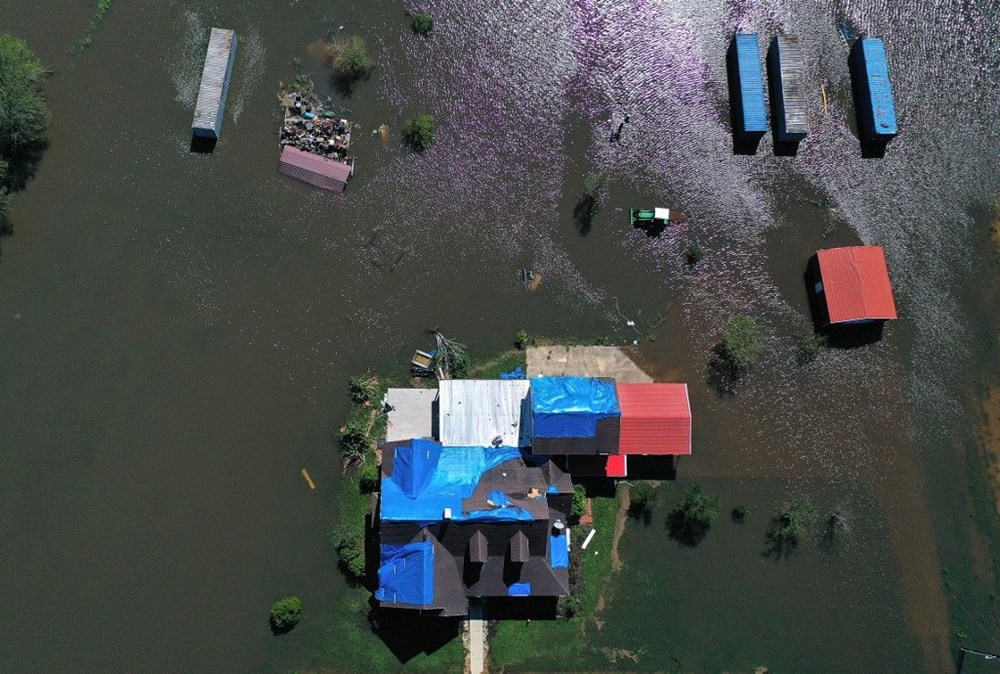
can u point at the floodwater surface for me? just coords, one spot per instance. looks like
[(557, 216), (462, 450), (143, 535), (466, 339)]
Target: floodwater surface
[(177, 330)]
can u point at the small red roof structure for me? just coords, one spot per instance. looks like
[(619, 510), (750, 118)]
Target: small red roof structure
[(313, 169), (616, 466), (855, 284), (655, 420)]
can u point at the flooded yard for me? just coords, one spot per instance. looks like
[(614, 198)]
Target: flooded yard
[(177, 330)]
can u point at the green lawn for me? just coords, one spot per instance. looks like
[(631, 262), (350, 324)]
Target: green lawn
[(562, 645)]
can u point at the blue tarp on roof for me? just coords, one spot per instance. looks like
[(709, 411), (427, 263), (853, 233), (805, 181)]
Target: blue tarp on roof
[(753, 116), (406, 575), (519, 590), (879, 99), (427, 478), (570, 407), (559, 551)]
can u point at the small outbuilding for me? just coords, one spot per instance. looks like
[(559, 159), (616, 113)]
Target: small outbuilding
[(853, 286), (655, 419), (318, 171)]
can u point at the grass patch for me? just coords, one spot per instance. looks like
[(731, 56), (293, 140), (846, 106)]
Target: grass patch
[(554, 644), (502, 362), (102, 9)]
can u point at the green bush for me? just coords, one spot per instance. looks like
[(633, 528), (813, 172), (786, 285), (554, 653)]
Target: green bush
[(369, 480), (350, 59), (579, 501), (351, 556), (568, 606), (740, 512), (522, 340), (354, 440), (741, 342), (285, 613), (422, 23), (418, 132), (365, 390), (24, 116)]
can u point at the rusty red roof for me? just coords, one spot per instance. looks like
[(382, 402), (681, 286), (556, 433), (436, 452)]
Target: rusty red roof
[(326, 173), (656, 419), (856, 284), (616, 466)]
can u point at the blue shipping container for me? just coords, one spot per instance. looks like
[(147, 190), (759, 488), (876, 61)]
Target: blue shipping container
[(870, 68), (747, 92)]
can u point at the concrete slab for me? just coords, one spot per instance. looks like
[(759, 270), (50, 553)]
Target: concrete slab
[(584, 361), (411, 414)]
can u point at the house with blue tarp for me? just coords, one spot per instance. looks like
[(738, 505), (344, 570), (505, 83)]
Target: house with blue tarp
[(460, 523), (478, 508)]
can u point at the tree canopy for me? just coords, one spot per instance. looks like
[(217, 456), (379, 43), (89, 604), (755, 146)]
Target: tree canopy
[(23, 113), (419, 132)]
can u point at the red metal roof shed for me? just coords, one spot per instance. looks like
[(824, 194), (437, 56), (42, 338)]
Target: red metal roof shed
[(856, 284), (314, 169), (656, 419)]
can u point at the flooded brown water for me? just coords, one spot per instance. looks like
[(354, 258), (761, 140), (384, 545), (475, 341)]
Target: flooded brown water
[(176, 330)]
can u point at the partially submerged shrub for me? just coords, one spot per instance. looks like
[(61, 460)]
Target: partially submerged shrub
[(641, 499), (809, 344), (364, 390), (692, 518), (795, 521), (740, 512), (350, 59), (351, 556), (741, 342), (354, 437), (418, 132), (692, 254), (422, 23), (285, 613)]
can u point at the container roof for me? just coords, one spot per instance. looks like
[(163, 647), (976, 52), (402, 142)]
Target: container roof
[(616, 466), (856, 284), (656, 419), (472, 412)]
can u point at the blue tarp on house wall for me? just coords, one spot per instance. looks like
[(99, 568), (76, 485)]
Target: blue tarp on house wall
[(559, 552), (570, 407), (427, 478), (406, 575)]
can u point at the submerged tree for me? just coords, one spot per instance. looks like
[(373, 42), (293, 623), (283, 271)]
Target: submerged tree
[(735, 353), (350, 59), (452, 357), (24, 115), (285, 614), (692, 518), (794, 522), (418, 132), (422, 23)]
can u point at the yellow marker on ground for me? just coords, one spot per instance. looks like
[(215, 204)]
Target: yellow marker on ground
[(309, 480)]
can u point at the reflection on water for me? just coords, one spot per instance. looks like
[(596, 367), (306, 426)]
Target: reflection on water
[(283, 291)]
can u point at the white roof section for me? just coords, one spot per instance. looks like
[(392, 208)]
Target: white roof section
[(211, 106), (661, 213), (472, 412), (411, 413)]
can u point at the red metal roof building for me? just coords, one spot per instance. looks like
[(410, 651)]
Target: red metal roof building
[(854, 281), (316, 170), (655, 419)]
